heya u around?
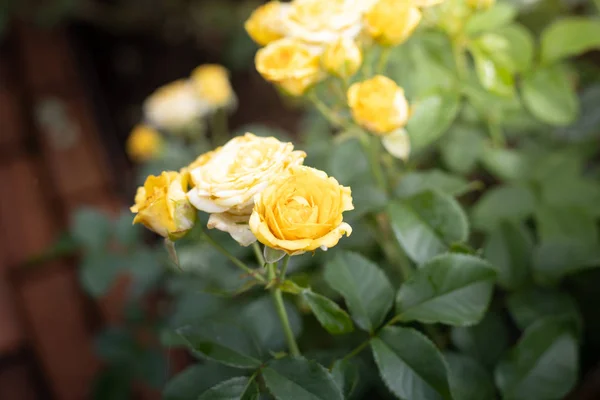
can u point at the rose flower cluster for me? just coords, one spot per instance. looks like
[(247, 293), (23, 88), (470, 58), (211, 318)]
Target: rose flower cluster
[(254, 188)]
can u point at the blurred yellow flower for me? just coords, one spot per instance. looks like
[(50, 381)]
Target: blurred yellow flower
[(391, 22), (211, 82), (342, 58), (426, 3), (480, 4), (175, 106), (264, 25), (301, 212), (379, 105), (323, 21), (290, 64), (225, 181), (162, 206), (144, 143)]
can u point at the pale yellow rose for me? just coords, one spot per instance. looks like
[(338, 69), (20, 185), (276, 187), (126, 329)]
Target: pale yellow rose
[(391, 22), (225, 181), (301, 212), (162, 205), (264, 25), (290, 64), (175, 106), (379, 105), (144, 143), (320, 22), (480, 4), (342, 58), (212, 85)]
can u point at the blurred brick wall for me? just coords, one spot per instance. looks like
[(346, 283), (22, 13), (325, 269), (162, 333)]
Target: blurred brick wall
[(51, 162)]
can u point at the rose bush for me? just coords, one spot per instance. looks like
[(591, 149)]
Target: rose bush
[(436, 237)]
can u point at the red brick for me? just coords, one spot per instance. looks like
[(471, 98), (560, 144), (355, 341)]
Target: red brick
[(17, 383), (53, 305), (26, 223), (46, 57), (12, 336), (12, 129), (70, 145)]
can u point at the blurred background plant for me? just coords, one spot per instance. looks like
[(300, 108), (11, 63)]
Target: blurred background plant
[(505, 120)]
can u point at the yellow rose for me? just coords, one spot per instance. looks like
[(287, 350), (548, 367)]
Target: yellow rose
[(264, 25), (225, 181), (175, 106), (480, 4), (342, 58), (144, 143), (319, 22), (290, 64), (391, 22), (379, 105), (301, 212), (162, 206), (211, 82), (426, 3)]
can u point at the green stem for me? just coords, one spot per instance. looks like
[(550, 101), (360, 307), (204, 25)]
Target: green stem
[(219, 127), (370, 147), (328, 113), (258, 253), (284, 266), (458, 51), (238, 263), (384, 57), (496, 133), (280, 307), (357, 350)]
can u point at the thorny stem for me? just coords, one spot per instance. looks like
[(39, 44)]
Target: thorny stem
[(281, 312)]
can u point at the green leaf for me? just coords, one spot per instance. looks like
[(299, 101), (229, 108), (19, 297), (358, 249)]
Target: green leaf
[(418, 181), (195, 380), (498, 15), (495, 76), (410, 365), (509, 249), (529, 306), (330, 315), (567, 224), (427, 223), (553, 260), (453, 289), (298, 378), (345, 154), (365, 287), (366, 198), (507, 202), (91, 228), (507, 164), (346, 375), (125, 232), (468, 379), (272, 255), (520, 48), (222, 343), (240, 388), (569, 37), (549, 96), (462, 148), (485, 342), (98, 272), (431, 117), (543, 364)]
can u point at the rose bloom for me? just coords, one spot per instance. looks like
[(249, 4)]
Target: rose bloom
[(290, 64), (174, 106), (301, 212), (225, 181), (379, 105), (144, 143), (319, 22), (162, 205), (342, 58), (391, 22), (264, 25), (212, 85)]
